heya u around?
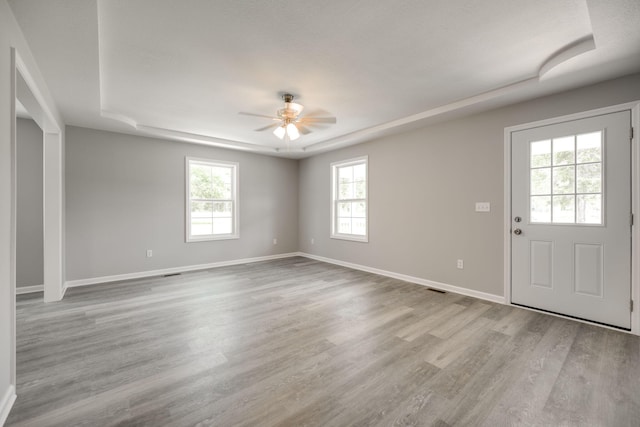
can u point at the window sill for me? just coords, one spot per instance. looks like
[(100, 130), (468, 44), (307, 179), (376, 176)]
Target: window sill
[(210, 238), (353, 238)]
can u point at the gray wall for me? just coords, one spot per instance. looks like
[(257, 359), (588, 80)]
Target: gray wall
[(29, 230), (423, 187), (126, 194)]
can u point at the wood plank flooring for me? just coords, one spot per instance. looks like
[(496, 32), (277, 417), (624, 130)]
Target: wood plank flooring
[(296, 342)]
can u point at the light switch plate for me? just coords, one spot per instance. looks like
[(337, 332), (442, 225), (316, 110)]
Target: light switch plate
[(483, 207)]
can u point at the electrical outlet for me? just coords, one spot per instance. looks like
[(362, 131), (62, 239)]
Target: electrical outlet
[(275, 241), (313, 241), (460, 264), (483, 207), (149, 253)]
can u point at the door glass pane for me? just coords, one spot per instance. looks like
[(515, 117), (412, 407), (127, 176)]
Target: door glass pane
[(541, 153), (589, 147), (563, 151), (564, 209), (589, 178), (563, 180), (541, 209), (541, 181), (589, 209)]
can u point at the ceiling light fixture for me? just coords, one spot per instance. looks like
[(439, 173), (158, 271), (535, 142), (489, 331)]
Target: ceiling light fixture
[(288, 123), (287, 130)]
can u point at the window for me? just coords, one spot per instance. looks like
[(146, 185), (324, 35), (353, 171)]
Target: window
[(212, 205), (566, 180), (349, 205)]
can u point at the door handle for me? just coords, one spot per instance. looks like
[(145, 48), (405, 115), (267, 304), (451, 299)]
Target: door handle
[(517, 232)]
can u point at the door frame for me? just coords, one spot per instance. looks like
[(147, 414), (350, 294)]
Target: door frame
[(635, 202)]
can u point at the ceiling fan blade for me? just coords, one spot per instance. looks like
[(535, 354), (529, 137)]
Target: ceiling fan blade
[(318, 113), (303, 130), (258, 115), (273, 125), (307, 119)]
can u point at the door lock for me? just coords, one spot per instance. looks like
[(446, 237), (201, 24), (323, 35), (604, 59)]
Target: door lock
[(517, 219)]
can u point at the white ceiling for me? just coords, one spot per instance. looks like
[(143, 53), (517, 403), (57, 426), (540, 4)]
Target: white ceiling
[(184, 69)]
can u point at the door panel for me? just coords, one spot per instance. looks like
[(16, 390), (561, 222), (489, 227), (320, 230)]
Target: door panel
[(571, 206)]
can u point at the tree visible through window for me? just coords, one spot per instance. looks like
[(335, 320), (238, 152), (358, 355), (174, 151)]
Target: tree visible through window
[(349, 200), (211, 200)]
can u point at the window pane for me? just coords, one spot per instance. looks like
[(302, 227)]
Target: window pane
[(344, 209), (200, 181), (222, 226), (540, 153), (541, 209), (223, 174), (220, 190), (563, 180), (589, 178), (563, 151), (360, 172), (344, 225), (541, 181), (359, 209), (222, 209), (345, 174), (564, 209), (346, 191), (359, 226), (201, 209), (589, 209), (360, 190), (590, 147), (201, 226)]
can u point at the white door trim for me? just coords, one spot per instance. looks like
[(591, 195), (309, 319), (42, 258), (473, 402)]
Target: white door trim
[(635, 201)]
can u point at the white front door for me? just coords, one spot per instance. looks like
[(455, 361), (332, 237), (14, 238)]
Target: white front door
[(570, 218)]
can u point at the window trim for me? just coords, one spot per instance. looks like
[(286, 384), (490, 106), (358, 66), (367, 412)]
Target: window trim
[(235, 167), (334, 201)]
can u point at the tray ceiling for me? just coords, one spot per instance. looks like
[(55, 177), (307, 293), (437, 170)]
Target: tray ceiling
[(184, 69)]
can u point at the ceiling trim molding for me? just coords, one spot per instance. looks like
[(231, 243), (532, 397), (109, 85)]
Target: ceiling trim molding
[(204, 139), (570, 51)]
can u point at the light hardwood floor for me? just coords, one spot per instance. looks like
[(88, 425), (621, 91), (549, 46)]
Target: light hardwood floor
[(296, 342)]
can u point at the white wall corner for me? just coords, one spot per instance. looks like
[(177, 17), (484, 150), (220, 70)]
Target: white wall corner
[(7, 403)]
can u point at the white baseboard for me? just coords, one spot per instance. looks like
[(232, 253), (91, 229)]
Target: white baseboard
[(417, 280), (173, 270), (29, 289), (7, 403)]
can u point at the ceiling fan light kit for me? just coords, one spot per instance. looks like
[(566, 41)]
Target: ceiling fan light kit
[(289, 124)]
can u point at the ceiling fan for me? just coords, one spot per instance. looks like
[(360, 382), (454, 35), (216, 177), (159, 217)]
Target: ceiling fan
[(288, 123)]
